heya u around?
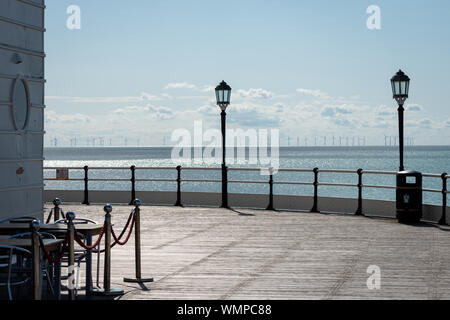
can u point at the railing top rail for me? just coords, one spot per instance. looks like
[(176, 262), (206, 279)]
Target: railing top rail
[(55, 168), (431, 175), (380, 172), (155, 168), (432, 190), (244, 169), (248, 181), (201, 168), (337, 171), (295, 170), (108, 168)]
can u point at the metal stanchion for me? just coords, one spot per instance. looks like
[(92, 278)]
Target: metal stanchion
[(36, 256), (270, 206), (71, 268), (443, 220), (133, 184), (360, 190), (107, 291), (86, 186), (316, 192), (137, 248), (178, 203), (56, 210)]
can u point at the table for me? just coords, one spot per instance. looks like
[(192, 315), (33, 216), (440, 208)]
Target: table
[(49, 244), (88, 230)]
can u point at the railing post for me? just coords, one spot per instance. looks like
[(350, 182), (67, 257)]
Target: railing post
[(71, 268), (57, 203), (137, 247), (133, 184), (443, 220), (360, 187), (178, 203), (86, 187), (316, 190), (107, 291), (224, 186), (36, 257), (270, 206)]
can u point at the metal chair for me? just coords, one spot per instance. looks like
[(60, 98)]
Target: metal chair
[(18, 220), (77, 221), (9, 257), (42, 235)]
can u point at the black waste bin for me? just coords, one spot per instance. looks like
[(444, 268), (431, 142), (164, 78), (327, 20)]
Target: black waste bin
[(409, 196)]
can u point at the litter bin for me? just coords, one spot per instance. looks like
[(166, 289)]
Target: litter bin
[(409, 196)]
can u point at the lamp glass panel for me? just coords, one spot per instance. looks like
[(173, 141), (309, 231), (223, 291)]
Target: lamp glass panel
[(397, 88), (226, 98), (402, 87)]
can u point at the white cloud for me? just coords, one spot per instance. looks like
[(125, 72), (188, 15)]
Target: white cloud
[(331, 111), (51, 117), (414, 108), (160, 113), (143, 97), (255, 94), (384, 110), (180, 85), (315, 93)]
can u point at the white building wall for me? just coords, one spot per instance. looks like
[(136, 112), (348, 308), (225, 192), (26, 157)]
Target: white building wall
[(21, 149)]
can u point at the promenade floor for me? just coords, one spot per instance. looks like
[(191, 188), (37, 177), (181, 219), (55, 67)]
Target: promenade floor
[(211, 253)]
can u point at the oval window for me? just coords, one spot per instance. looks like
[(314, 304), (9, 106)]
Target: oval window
[(20, 106)]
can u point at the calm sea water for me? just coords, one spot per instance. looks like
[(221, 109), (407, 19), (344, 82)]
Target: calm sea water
[(432, 159)]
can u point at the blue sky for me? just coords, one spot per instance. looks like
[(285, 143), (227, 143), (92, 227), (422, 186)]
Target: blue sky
[(141, 69)]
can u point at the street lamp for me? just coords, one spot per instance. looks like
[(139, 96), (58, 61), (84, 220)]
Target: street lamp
[(400, 89), (223, 95)]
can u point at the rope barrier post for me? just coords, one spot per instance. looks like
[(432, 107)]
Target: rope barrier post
[(178, 203), (57, 202), (360, 187), (316, 190), (107, 291), (36, 257), (86, 187), (133, 184), (443, 220), (71, 269), (270, 206), (137, 248)]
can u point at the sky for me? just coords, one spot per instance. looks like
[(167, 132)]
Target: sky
[(137, 70)]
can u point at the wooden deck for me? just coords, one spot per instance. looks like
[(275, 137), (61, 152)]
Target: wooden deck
[(209, 253)]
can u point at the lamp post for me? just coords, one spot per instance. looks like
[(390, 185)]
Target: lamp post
[(223, 95), (400, 89)]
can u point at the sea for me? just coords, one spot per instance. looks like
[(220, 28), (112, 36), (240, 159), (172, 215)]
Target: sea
[(425, 159)]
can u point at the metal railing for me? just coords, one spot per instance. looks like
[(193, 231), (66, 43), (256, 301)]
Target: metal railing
[(316, 183)]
